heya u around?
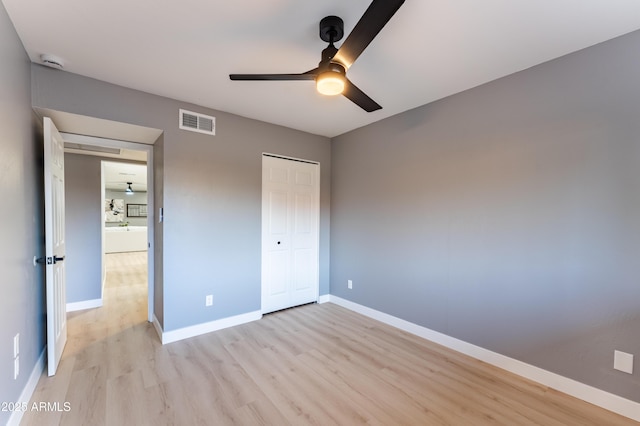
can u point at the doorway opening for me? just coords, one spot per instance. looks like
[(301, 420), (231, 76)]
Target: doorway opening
[(87, 214), (139, 154), (124, 234)]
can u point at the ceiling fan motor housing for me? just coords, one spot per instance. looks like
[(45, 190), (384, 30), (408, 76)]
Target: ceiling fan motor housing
[(331, 29), (336, 68)]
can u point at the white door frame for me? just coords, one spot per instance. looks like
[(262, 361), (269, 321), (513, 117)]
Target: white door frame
[(113, 143)]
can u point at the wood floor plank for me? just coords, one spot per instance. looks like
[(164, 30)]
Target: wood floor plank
[(299, 407), (262, 412), (130, 403), (370, 392), (49, 390), (87, 388), (311, 365)]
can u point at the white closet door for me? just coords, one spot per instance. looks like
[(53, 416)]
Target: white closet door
[(290, 228)]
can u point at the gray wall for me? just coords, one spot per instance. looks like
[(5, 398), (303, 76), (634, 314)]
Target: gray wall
[(83, 226), (211, 193), (507, 216), (21, 219)]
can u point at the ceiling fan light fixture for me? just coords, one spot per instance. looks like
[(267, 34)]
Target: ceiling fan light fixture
[(331, 83)]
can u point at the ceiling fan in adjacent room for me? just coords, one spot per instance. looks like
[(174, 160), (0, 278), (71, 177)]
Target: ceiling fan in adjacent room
[(330, 74), (123, 187)]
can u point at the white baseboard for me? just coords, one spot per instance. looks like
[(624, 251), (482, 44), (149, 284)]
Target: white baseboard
[(85, 304), (157, 326), (324, 298), (587, 393), (28, 390), (208, 327)]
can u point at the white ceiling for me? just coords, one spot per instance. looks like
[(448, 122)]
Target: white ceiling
[(117, 175), (429, 50)]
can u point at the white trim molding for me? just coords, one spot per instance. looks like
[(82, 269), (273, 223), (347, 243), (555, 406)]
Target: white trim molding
[(603, 399), (324, 298), (157, 326), (28, 390), (207, 327), (85, 304)]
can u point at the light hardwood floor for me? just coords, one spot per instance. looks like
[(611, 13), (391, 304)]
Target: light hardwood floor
[(315, 364)]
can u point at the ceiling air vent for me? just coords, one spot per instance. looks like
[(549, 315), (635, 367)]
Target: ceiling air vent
[(197, 122)]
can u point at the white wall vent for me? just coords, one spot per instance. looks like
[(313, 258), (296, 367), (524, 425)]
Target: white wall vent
[(196, 122)]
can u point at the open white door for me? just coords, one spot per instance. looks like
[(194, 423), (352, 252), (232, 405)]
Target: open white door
[(54, 244)]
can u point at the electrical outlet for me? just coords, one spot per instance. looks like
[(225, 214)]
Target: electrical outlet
[(208, 300), (349, 284), (623, 361), (16, 367)]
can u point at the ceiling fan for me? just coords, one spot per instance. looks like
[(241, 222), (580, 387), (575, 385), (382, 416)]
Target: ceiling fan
[(115, 186), (330, 75)]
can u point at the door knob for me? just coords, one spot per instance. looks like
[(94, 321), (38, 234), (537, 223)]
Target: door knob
[(49, 260)]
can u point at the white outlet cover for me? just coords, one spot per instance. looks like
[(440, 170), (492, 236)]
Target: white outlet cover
[(349, 284), (209, 300), (623, 361)]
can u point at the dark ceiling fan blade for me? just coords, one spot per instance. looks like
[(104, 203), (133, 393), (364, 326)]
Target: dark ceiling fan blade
[(367, 28), (360, 98), (309, 75)]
